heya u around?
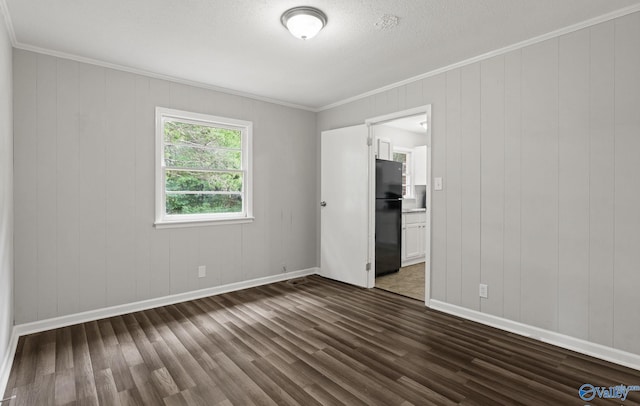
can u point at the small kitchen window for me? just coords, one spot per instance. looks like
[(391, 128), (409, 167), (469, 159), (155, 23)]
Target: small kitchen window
[(405, 156), (203, 169)]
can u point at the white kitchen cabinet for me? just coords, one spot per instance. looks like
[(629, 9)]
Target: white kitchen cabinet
[(412, 240), (385, 149), (414, 228), (420, 165)]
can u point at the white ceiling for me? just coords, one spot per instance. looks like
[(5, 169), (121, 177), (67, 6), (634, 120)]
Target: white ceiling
[(241, 44)]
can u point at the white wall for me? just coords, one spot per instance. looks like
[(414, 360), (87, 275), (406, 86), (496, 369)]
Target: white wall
[(84, 191), (399, 137), (6, 198), (539, 151)]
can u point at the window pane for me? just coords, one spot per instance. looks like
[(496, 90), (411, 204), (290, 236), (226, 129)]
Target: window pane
[(203, 203), (199, 158), (192, 181), (400, 157), (178, 133)]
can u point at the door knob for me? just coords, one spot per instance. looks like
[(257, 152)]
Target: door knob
[(323, 204)]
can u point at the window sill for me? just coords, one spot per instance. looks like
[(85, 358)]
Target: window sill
[(202, 223)]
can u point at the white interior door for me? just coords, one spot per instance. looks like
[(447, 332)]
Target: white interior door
[(344, 215)]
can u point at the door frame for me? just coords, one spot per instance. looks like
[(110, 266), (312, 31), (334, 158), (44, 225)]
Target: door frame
[(371, 123)]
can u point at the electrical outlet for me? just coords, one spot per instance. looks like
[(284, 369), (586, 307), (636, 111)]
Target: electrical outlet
[(202, 271), (484, 291)]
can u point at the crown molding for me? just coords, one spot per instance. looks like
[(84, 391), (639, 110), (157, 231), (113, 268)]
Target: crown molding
[(553, 34), (550, 35), (4, 10), (155, 75)]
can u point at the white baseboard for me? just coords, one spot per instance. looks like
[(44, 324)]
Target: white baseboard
[(600, 351), (7, 362), (575, 344), (63, 321), (413, 261)]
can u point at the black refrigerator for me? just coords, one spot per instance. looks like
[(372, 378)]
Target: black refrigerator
[(388, 216)]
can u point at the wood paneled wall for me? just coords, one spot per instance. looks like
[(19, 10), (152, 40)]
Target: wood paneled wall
[(84, 191), (539, 152)]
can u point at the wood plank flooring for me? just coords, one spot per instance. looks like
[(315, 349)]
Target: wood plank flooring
[(316, 342)]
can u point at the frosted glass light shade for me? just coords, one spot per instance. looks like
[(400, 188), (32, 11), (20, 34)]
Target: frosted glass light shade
[(304, 22)]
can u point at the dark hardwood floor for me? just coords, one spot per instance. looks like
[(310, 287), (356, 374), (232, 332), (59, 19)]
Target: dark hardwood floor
[(317, 342)]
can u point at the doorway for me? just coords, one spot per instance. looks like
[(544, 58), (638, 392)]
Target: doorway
[(348, 202), (404, 137)]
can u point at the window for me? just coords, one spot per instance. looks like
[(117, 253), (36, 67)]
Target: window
[(203, 168), (404, 156)]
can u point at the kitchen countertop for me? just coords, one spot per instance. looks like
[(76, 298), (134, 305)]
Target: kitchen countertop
[(418, 210)]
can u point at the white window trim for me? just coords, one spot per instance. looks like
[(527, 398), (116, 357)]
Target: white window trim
[(194, 220)]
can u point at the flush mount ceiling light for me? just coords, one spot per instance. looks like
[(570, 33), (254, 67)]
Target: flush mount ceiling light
[(304, 22)]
